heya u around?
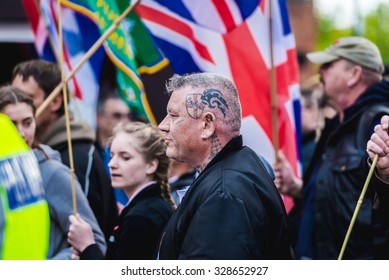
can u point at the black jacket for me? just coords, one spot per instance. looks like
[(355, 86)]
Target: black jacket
[(231, 211), (140, 226), (341, 163)]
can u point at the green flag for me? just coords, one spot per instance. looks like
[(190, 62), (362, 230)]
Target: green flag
[(130, 47)]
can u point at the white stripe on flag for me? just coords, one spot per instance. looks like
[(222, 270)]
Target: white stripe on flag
[(208, 17)]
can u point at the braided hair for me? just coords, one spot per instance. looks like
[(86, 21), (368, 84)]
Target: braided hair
[(151, 145)]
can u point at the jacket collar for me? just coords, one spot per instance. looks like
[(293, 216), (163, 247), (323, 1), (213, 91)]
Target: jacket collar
[(233, 145), (149, 191), (376, 93)]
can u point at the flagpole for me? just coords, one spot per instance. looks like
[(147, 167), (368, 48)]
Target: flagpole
[(273, 87), (357, 208), (65, 102), (87, 55), (52, 44)]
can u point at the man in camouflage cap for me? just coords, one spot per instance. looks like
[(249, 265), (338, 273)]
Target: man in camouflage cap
[(351, 73)]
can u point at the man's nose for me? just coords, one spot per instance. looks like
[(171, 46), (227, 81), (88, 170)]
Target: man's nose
[(162, 124)]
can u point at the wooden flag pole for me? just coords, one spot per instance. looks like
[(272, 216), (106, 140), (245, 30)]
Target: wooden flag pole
[(357, 208), (53, 47), (65, 102), (273, 88), (88, 54)]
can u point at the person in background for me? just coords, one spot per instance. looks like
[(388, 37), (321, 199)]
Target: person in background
[(181, 176), (310, 114), (351, 73), (311, 126), (315, 109), (111, 110), (55, 175), (139, 166), (38, 78), (232, 210)]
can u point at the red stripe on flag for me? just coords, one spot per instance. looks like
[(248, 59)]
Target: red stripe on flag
[(252, 79), (261, 5), (175, 25), (66, 58), (224, 14), (293, 65), (32, 13), (250, 75)]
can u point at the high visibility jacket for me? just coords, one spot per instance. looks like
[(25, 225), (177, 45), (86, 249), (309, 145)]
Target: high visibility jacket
[(24, 214)]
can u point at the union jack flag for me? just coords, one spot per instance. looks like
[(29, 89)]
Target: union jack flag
[(232, 38), (79, 34)]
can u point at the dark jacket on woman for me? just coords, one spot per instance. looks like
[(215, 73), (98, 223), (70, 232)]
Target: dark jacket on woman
[(231, 211), (138, 230), (333, 184), (140, 226)]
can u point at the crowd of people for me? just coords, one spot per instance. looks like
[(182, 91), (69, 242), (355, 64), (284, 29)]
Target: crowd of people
[(189, 189)]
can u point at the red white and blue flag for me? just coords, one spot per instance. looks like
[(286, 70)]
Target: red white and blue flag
[(38, 26), (79, 34), (232, 38)]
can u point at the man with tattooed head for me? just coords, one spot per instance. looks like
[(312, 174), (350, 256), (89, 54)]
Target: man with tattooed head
[(232, 210)]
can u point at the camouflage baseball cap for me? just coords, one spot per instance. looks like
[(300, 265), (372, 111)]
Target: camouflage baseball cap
[(359, 50)]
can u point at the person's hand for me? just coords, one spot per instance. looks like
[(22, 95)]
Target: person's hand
[(75, 254), (285, 181), (379, 145), (80, 233)]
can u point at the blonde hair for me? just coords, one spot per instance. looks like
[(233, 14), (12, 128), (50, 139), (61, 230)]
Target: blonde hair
[(150, 143)]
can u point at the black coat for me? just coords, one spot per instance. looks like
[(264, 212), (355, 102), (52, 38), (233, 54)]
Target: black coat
[(231, 211), (337, 174), (140, 226)]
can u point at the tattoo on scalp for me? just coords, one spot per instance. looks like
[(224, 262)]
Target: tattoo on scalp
[(212, 98), (194, 105)]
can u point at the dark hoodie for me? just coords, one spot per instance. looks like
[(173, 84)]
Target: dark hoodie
[(88, 168), (333, 183)]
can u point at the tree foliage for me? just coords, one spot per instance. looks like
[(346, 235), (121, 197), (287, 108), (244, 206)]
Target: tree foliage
[(374, 27)]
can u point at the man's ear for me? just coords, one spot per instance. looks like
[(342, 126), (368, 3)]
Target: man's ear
[(356, 75), (56, 103), (208, 125)]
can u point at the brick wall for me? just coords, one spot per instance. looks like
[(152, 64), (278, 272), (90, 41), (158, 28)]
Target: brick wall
[(304, 26)]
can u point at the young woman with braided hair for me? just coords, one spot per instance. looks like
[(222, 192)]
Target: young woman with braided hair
[(139, 166)]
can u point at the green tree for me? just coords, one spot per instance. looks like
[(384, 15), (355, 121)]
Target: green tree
[(328, 32), (375, 28)]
